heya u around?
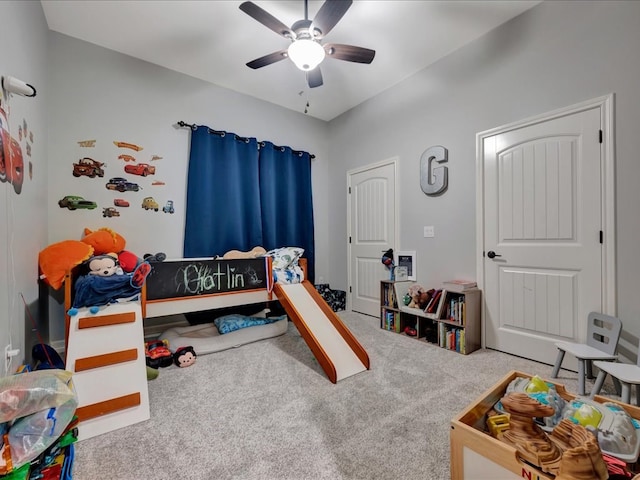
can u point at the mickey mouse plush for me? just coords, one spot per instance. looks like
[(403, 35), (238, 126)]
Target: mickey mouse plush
[(104, 265)]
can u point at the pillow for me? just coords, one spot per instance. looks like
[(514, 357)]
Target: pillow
[(285, 257), (56, 259), (233, 322)]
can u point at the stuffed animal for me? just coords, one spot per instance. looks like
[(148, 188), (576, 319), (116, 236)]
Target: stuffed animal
[(420, 296), (413, 292), (184, 357), (104, 240), (104, 265)]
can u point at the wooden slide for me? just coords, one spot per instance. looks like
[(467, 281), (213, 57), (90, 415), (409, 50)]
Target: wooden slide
[(333, 345)]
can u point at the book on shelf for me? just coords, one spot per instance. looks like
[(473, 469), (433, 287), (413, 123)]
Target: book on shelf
[(460, 286), (433, 302), (443, 300)]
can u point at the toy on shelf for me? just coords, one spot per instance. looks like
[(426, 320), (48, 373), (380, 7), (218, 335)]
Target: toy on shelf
[(420, 296), (387, 261)]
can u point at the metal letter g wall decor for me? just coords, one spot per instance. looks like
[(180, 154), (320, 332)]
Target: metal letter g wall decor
[(434, 181)]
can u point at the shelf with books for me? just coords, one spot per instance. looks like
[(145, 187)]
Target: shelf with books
[(390, 318), (451, 320)]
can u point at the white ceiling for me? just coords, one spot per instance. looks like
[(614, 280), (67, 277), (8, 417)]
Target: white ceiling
[(213, 40)]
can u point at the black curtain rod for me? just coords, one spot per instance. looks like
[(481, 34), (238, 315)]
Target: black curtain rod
[(239, 138)]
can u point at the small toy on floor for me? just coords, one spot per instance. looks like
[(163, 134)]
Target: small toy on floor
[(184, 357), (157, 354)]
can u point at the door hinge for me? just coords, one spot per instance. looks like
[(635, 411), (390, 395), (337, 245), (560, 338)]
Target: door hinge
[(601, 236), (349, 190), (600, 136), (349, 239), (349, 288)]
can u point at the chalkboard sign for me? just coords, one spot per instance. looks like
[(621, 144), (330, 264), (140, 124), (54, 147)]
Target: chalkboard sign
[(192, 277)]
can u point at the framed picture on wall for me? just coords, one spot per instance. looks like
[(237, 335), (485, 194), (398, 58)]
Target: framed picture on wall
[(408, 260)]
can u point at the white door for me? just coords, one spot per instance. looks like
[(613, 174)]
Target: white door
[(372, 231), (542, 220)]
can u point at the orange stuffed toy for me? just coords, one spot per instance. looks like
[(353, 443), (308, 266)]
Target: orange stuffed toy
[(104, 240)]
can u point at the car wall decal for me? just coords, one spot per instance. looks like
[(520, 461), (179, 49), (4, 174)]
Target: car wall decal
[(131, 146), (141, 169), (127, 158), (75, 202), (110, 212), (11, 160), (149, 203), (88, 167), (168, 207)]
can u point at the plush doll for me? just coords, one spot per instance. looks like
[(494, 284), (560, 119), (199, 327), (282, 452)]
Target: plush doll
[(184, 357), (104, 265), (414, 293), (104, 240), (105, 283)]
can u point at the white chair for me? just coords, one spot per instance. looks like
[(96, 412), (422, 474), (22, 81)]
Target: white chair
[(626, 373), (603, 333)]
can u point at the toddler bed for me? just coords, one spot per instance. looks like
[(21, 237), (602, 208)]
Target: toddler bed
[(193, 285), (228, 331)]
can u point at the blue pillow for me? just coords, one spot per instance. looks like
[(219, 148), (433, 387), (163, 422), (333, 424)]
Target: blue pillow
[(233, 322)]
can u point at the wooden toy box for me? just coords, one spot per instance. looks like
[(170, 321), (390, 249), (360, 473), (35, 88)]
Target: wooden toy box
[(476, 455)]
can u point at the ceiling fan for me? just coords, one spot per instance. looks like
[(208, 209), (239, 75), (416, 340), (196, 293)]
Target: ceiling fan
[(306, 49)]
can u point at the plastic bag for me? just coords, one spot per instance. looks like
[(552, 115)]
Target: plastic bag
[(31, 435), (31, 392)]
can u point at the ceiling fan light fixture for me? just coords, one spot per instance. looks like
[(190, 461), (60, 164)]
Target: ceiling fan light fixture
[(306, 54)]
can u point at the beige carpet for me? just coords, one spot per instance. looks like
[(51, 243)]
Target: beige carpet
[(267, 411)]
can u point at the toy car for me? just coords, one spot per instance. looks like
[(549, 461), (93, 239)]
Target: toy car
[(157, 354), (89, 167), (73, 202), (150, 204), (11, 164), (142, 169), (122, 185), (120, 202), (168, 208), (110, 212)]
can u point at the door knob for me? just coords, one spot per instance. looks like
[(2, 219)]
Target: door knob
[(492, 254)]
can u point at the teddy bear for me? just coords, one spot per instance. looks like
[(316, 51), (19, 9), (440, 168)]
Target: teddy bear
[(420, 296)]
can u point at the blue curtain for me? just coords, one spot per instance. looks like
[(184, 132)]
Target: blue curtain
[(286, 199), (240, 196), (223, 194)]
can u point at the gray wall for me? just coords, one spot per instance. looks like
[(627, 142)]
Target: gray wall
[(104, 95), (23, 217), (555, 55)]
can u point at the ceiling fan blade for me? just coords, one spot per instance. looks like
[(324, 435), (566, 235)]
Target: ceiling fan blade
[(349, 53), (329, 15), (267, 59), (266, 19), (314, 77)]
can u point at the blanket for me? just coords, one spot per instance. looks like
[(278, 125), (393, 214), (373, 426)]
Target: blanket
[(94, 290)]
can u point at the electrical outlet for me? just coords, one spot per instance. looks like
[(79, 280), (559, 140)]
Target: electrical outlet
[(429, 232), (9, 353), (7, 359)]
